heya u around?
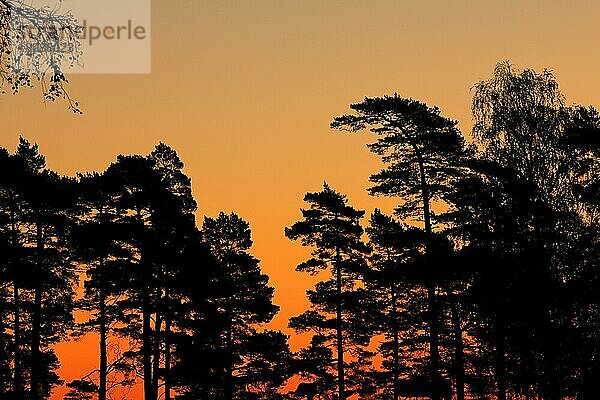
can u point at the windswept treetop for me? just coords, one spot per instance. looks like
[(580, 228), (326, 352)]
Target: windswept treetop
[(421, 147), (402, 122)]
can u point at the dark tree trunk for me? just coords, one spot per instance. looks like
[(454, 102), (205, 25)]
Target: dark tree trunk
[(459, 363), (103, 333), (168, 359), (36, 356), (156, 354), (17, 373), (500, 358), (590, 366), (434, 352), (3, 362), (149, 393), (339, 328), (590, 389), (229, 371), (36, 359), (103, 328), (147, 345), (17, 377), (396, 341), (550, 383)]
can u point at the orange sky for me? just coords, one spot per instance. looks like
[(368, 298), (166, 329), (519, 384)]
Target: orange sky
[(245, 91)]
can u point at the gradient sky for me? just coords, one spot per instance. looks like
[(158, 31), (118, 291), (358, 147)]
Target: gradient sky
[(245, 91)]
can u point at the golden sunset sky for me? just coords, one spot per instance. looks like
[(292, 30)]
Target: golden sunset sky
[(245, 92)]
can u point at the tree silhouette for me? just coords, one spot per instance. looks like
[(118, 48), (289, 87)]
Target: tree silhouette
[(522, 125), (243, 299), (99, 236), (10, 205), (423, 150), (331, 227), (496, 296), (177, 228), (391, 284), (522, 256), (36, 220), (519, 121), (155, 197), (582, 139), (582, 136)]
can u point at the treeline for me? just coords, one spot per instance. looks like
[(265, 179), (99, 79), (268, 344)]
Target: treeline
[(483, 283), (172, 305)]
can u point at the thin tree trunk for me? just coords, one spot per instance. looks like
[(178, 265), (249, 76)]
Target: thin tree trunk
[(17, 377), (229, 371), (500, 358), (550, 384), (434, 352), (590, 367), (103, 368), (3, 362), (147, 345), (459, 364), (36, 358), (17, 373), (35, 346), (156, 354), (396, 344), (168, 359), (103, 333), (146, 317), (339, 327)]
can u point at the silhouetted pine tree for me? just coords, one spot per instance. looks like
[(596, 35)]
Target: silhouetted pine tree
[(176, 224), (137, 184), (337, 316), (198, 368), (397, 304), (7, 260), (155, 198), (422, 149), (51, 281), (99, 237), (522, 257), (17, 261), (582, 138), (256, 361)]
